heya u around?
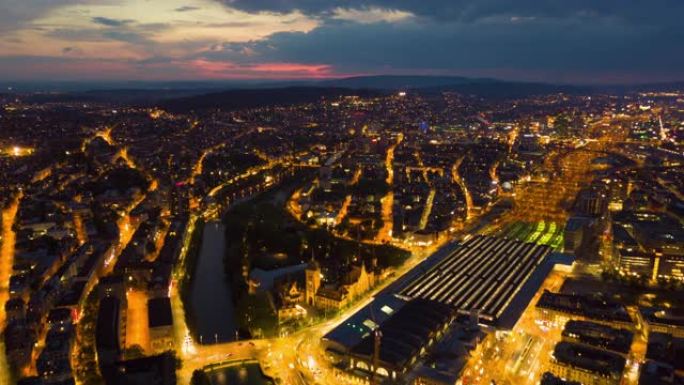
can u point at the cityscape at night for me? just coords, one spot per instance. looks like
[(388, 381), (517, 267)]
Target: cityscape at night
[(262, 192)]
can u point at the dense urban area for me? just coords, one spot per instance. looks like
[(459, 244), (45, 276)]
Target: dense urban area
[(403, 237)]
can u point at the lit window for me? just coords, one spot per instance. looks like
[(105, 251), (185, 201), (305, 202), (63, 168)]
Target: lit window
[(370, 324)]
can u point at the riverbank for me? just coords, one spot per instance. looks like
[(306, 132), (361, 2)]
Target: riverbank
[(187, 273)]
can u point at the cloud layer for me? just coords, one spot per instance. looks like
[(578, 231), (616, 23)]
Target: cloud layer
[(548, 40)]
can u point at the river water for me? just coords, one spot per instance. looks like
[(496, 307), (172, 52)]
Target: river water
[(212, 303)]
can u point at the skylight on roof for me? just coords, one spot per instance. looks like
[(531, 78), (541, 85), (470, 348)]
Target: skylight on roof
[(370, 324)]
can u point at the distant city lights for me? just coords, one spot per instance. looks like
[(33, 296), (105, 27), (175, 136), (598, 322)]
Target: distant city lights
[(18, 151)]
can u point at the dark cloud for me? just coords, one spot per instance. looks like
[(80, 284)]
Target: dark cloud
[(111, 22), (15, 13), (655, 11), (186, 8), (576, 39), (125, 30), (556, 49), (551, 40), (85, 35), (126, 36)]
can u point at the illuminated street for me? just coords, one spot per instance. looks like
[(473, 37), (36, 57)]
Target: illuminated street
[(203, 193), (6, 260), (7, 251), (137, 332)]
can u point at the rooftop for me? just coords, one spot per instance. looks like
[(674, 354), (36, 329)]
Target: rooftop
[(549, 379), (159, 310), (593, 360), (355, 328), (594, 307), (663, 316), (107, 329), (484, 274), (598, 335), (406, 332), (577, 222)]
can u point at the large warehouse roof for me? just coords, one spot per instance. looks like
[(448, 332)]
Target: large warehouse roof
[(484, 274), (350, 332), (406, 332)]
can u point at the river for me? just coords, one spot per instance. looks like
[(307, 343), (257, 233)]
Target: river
[(212, 304)]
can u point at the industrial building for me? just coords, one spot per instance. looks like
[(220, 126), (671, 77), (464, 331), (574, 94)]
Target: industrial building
[(408, 329), (405, 336), (345, 336), (495, 277), (448, 359), (485, 280)]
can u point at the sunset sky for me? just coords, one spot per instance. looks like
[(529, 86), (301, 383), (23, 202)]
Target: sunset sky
[(573, 41)]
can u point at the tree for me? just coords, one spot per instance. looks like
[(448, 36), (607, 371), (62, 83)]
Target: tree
[(135, 351), (199, 378), (255, 314)]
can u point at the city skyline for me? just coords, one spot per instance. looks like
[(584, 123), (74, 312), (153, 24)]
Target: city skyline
[(345, 192)]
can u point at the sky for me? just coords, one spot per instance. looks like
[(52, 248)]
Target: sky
[(556, 41)]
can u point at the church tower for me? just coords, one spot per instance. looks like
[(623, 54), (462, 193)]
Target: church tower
[(313, 281)]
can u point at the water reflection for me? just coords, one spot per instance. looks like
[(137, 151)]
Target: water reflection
[(212, 305)]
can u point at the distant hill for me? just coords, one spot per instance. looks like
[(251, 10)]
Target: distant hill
[(252, 98), (193, 95), (500, 89), (403, 81), (289, 93), (489, 86), (476, 86), (123, 96), (653, 87)]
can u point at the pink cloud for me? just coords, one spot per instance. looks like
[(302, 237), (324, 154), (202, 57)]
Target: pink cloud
[(315, 69), (69, 68), (229, 70)]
